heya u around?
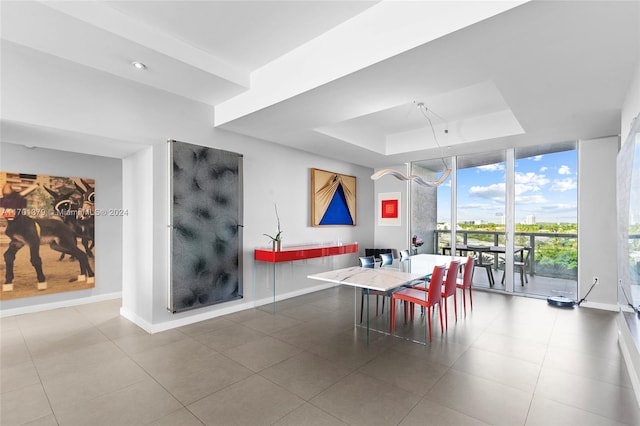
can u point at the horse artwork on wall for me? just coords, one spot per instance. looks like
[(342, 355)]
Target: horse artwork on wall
[(46, 234)]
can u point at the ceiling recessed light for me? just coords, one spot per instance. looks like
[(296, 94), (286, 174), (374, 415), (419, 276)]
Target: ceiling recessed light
[(139, 65)]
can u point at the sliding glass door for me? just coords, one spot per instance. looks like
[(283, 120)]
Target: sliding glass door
[(515, 210), (481, 226), (546, 221)]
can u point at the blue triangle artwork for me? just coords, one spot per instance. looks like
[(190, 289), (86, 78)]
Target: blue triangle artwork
[(337, 213), (333, 200)]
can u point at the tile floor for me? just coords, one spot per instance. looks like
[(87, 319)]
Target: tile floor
[(512, 361)]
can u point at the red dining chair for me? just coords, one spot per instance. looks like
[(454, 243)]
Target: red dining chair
[(465, 282), (449, 289), (426, 299)]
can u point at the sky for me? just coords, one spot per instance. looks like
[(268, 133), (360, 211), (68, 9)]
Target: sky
[(546, 187)]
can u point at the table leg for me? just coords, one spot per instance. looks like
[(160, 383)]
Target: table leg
[(367, 316), (355, 306)]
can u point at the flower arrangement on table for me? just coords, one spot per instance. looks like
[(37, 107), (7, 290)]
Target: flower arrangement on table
[(277, 238), (415, 243)]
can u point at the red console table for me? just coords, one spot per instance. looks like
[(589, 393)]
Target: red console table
[(295, 253), (303, 252)]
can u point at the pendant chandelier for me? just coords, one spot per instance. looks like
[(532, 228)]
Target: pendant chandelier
[(417, 179)]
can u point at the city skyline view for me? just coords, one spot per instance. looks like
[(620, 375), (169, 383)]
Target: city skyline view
[(545, 188)]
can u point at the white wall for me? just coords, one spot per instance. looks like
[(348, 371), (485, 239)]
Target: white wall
[(138, 243), (135, 248), (394, 237), (272, 174), (107, 173), (83, 102), (597, 227)]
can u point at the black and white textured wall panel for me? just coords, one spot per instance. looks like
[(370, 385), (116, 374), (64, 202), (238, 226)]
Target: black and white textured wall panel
[(206, 237)]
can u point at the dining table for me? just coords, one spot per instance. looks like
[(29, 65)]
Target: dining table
[(465, 248), (387, 278), (479, 250)]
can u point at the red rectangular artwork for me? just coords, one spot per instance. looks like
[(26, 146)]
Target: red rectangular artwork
[(389, 209)]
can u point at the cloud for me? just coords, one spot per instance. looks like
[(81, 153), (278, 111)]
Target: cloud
[(475, 206), (491, 167), (522, 188), (564, 170), (569, 211), (562, 185), (563, 206), (537, 157), (525, 182), (529, 182), (543, 169), (531, 178), (530, 199), (475, 211), (492, 192)]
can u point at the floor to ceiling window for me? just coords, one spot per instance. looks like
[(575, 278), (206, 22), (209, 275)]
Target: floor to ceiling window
[(629, 220), (480, 195), (542, 212), (546, 221)]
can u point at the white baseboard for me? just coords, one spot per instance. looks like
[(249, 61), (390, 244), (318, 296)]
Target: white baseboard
[(168, 325), (62, 304), (146, 326), (603, 306), (179, 322), (280, 297)]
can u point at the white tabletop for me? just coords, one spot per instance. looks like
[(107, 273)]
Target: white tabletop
[(382, 279), (387, 278), (424, 263)]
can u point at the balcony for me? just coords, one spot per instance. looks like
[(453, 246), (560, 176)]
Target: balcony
[(552, 268)]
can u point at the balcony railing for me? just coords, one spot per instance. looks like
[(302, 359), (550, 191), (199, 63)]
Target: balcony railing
[(550, 254)]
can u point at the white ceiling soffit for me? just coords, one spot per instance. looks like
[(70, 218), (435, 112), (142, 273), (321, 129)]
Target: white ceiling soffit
[(202, 50), (551, 71), (470, 114), (247, 34), (378, 33), (37, 136), (96, 35), (338, 79)]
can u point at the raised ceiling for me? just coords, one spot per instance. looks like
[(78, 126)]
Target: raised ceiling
[(341, 79)]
